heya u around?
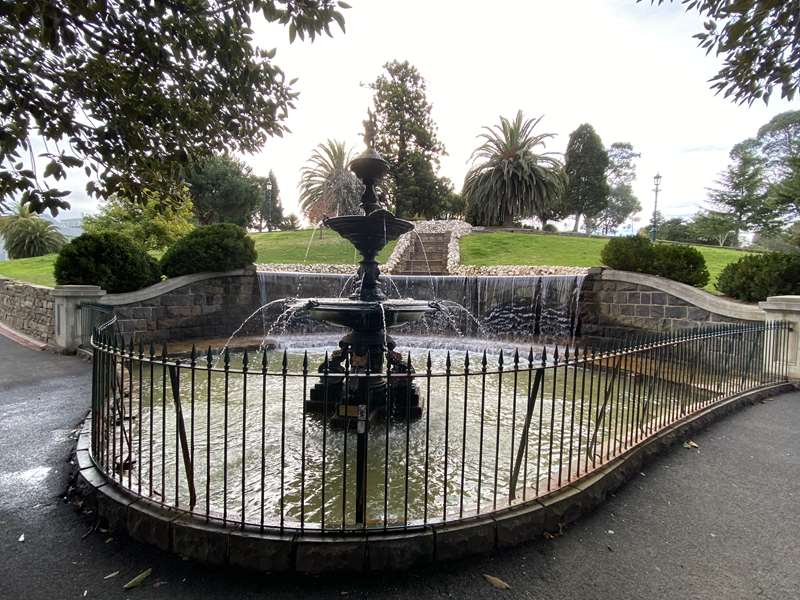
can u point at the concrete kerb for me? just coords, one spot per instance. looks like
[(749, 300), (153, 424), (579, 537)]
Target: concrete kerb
[(210, 543)]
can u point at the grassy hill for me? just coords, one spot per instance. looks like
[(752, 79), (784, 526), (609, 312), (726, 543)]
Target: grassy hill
[(275, 247), (498, 248), (504, 248)]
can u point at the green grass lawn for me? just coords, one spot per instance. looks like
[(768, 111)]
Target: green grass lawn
[(502, 248), (276, 247), (291, 246), (38, 270)]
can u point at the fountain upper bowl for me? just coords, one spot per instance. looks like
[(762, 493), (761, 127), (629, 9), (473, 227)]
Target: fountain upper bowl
[(367, 316), (369, 233)]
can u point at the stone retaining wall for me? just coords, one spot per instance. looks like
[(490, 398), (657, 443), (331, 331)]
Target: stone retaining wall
[(615, 303), (193, 306), (27, 308)]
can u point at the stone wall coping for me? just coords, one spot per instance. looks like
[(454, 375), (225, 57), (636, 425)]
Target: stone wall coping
[(787, 303), (68, 291), (20, 282), (700, 298), (191, 537), (159, 289)]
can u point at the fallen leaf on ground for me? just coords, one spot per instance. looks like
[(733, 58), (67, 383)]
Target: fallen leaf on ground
[(690, 445), (110, 575), (496, 582), (21, 538), (137, 580)]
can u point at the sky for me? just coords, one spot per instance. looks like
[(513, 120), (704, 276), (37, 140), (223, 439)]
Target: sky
[(631, 70)]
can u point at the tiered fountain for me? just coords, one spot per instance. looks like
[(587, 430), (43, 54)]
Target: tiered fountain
[(367, 313)]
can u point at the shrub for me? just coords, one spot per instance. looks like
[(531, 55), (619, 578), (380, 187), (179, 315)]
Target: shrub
[(550, 228), (638, 254), (634, 253), (114, 262), (681, 263), (220, 247), (757, 276)]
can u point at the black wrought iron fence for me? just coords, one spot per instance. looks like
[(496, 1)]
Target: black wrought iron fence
[(93, 316), (236, 438)]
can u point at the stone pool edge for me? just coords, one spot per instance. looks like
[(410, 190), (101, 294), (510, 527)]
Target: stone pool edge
[(192, 537)]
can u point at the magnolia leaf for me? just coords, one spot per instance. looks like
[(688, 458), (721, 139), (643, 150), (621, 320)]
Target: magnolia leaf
[(496, 582), (110, 575)]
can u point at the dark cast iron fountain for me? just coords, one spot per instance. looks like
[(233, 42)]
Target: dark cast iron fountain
[(367, 350)]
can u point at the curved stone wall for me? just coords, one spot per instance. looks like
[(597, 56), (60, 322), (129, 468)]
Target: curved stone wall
[(614, 303)]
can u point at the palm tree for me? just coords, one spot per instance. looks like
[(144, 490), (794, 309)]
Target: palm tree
[(327, 186), (508, 179), (26, 234)]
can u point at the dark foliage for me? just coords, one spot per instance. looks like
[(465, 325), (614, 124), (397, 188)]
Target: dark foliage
[(633, 253), (680, 263), (639, 255), (111, 260), (134, 92), (219, 247), (757, 276)]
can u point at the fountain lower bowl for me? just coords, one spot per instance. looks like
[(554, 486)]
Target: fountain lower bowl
[(367, 316)]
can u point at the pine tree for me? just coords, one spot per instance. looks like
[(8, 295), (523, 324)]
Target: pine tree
[(585, 163)]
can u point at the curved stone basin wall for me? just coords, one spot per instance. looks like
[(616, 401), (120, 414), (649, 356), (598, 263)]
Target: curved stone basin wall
[(610, 304), (615, 303)]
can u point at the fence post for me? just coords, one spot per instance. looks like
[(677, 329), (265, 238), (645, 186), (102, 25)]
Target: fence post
[(67, 300), (786, 308)]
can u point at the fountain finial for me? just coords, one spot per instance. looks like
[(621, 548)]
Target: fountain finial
[(370, 129)]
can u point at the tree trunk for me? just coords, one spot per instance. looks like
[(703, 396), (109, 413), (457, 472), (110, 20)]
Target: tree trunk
[(577, 222), (508, 220)]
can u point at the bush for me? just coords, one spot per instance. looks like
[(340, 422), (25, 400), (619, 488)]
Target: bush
[(757, 276), (550, 228), (638, 254), (681, 263), (220, 247), (114, 262), (633, 253)]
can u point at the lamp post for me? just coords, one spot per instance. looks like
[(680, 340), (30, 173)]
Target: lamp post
[(656, 189)]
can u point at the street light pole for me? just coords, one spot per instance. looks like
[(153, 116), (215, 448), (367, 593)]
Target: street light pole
[(656, 189)]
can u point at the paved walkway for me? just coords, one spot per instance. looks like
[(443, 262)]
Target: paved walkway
[(719, 522)]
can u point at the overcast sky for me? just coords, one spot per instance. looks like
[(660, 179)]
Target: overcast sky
[(631, 70)]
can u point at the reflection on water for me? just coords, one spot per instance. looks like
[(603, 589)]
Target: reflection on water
[(290, 466)]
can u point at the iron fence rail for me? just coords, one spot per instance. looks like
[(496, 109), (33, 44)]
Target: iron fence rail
[(237, 443)]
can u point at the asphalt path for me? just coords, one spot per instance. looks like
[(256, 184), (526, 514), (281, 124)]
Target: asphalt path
[(721, 521)]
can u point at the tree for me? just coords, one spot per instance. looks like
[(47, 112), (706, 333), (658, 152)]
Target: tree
[(585, 163), (741, 190), (508, 179), (291, 223), (25, 234), (621, 202), (136, 91), (327, 185), (269, 213), (715, 228), (406, 138), (224, 191), (155, 223), (759, 41), (779, 142), (784, 197)]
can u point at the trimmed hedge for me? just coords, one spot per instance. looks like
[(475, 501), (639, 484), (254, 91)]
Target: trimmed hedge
[(639, 255), (633, 253), (680, 263), (111, 260), (220, 247), (758, 276)]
